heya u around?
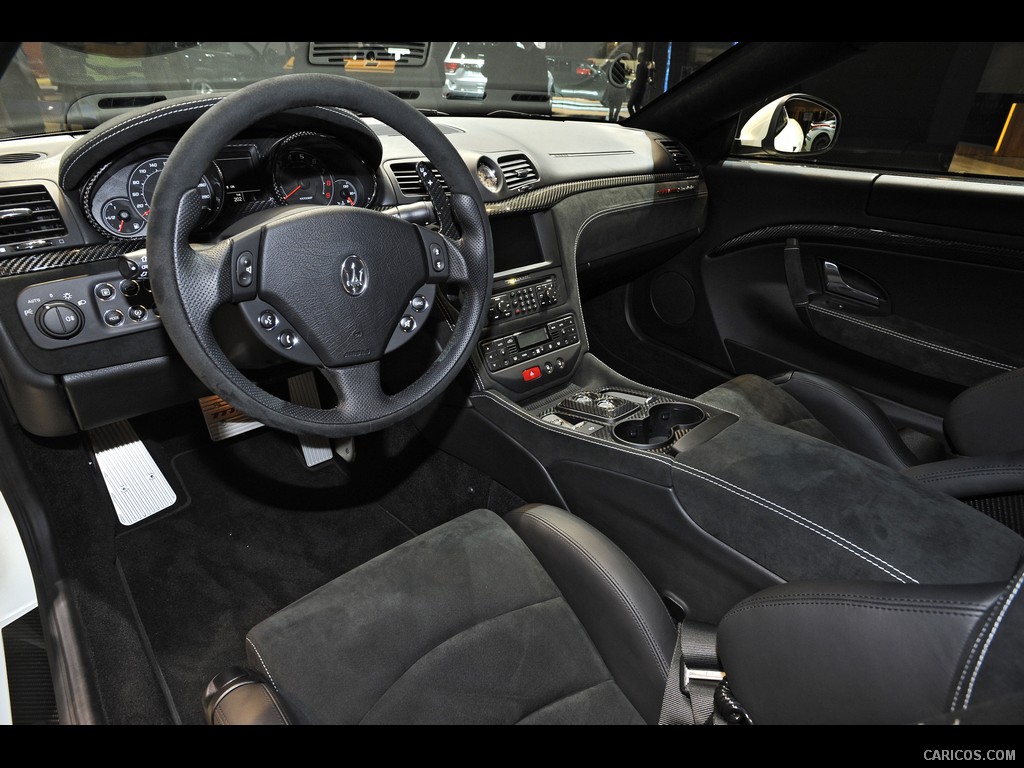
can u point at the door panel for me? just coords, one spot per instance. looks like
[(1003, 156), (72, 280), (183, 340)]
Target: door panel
[(906, 288)]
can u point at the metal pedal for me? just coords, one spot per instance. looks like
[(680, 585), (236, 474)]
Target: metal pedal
[(302, 391), (135, 483), (223, 420)]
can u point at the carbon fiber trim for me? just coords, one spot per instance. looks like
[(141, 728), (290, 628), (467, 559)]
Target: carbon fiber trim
[(23, 265), (858, 235), (546, 408), (1007, 509), (542, 199)]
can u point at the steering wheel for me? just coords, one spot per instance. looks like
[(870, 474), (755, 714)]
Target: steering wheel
[(340, 277)]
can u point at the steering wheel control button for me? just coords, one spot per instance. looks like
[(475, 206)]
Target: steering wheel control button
[(435, 251), (354, 276), (104, 292), (113, 317), (244, 270), (268, 320), (287, 338), (532, 373), (437, 258), (419, 303), (407, 323), (129, 288), (138, 313), (59, 320)]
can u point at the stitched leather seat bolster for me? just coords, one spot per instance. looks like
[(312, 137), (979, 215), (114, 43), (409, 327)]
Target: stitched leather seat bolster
[(851, 652)]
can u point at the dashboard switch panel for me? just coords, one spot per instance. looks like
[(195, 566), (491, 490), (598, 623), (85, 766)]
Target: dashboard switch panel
[(78, 310)]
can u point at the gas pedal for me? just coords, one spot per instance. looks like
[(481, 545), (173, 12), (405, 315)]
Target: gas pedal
[(135, 483), (223, 420), (302, 391)]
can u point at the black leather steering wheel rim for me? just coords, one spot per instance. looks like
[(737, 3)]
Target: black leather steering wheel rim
[(191, 284)]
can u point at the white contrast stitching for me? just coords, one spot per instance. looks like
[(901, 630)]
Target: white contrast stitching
[(967, 664), (771, 506), (132, 124), (260, 656), (991, 637), (810, 525), (912, 340)]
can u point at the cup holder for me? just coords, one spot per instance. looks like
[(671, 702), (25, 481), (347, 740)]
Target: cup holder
[(661, 428)]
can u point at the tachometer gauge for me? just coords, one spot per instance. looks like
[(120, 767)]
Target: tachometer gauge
[(301, 177)]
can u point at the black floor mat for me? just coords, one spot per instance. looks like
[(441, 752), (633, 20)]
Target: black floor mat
[(29, 681), (254, 530)]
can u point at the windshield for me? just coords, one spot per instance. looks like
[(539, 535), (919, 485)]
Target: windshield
[(60, 87)]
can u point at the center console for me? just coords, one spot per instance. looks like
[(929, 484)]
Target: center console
[(532, 339)]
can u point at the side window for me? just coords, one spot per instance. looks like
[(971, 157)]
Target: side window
[(939, 107)]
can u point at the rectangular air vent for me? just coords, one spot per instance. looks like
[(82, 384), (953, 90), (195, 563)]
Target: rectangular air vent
[(409, 181), (683, 160), (28, 213), (518, 171), (336, 54)]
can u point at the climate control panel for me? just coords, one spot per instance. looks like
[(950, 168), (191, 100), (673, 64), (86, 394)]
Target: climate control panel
[(522, 360)]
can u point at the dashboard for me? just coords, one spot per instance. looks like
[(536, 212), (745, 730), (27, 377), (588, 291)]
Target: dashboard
[(81, 339)]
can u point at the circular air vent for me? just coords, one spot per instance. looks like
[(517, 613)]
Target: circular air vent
[(20, 157)]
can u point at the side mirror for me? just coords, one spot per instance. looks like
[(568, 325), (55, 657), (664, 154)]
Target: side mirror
[(792, 124)]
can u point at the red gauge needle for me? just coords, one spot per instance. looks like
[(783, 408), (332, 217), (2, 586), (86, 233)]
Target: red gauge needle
[(293, 192), (120, 226)]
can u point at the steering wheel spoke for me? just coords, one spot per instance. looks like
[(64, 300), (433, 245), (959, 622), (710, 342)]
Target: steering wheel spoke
[(358, 388), (206, 269)]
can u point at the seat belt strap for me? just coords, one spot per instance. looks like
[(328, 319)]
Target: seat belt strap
[(689, 698)]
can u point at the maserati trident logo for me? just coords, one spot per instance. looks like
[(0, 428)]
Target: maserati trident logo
[(353, 276)]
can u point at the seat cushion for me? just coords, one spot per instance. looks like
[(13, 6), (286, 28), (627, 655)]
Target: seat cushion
[(459, 625)]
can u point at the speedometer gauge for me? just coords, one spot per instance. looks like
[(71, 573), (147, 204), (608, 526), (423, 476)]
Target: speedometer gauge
[(142, 184)]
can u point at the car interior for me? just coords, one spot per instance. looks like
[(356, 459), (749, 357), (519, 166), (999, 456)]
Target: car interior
[(333, 398)]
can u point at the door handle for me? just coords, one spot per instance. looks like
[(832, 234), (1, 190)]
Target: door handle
[(834, 283)]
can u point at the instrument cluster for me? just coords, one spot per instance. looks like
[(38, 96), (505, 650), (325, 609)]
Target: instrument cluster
[(302, 168)]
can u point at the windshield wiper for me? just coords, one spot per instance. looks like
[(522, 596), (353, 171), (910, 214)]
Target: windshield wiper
[(514, 113)]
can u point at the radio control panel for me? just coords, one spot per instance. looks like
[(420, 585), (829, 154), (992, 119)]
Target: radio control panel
[(525, 300)]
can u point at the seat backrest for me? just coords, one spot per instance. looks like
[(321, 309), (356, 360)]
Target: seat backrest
[(988, 418)]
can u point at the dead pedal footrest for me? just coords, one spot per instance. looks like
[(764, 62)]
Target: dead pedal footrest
[(135, 483)]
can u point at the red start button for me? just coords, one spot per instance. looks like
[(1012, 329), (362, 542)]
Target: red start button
[(531, 373)]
